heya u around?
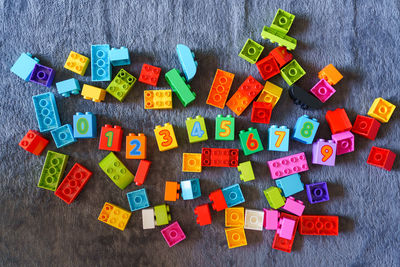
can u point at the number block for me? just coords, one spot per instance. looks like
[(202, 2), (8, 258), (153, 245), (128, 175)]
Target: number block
[(234, 217), (42, 75), (173, 234), (246, 171), (317, 192), (278, 37), (149, 74), (180, 87), (233, 195), (281, 55), (161, 212), (110, 138), (171, 191), (290, 185), (324, 152), (203, 215), (34, 142), (304, 99), (274, 197), (100, 63), (286, 228), (270, 94), (217, 199), (138, 199), (186, 59), (283, 244), (282, 21), (142, 171), (93, 93), (330, 74), (225, 128), (191, 162), (190, 189), (338, 120), (294, 206), (251, 51), (148, 219), (267, 67), (319, 225), (220, 88), (85, 125), (288, 165), (165, 137), (68, 87), (77, 63), (381, 158), (63, 136), (121, 85), (305, 129), (119, 57), (292, 72), (366, 127), (136, 146), (323, 90), (219, 157), (381, 110), (344, 142), (235, 237), (196, 129), (158, 99), (254, 220), (24, 66), (261, 112), (53, 169), (250, 141), (278, 138), (115, 216), (116, 171), (271, 218), (46, 112)]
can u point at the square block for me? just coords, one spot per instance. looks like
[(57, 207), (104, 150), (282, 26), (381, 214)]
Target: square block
[(110, 138), (42, 75), (323, 90), (190, 189), (254, 220), (235, 237), (286, 228), (278, 138), (196, 129), (220, 88), (186, 59), (317, 192), (250, 141), (219, 157), (203, 214), (366, 127), (319, 225), (270, 94), (233, 195), (288, 165), (251, 51), (173, 234), (119, 57), (149, 74), (68, 87), (161, 212), (294, 206), (283, 244), (261, 112), (171, 191), (165, 137), (234, 217), (85, 125), (191, 162), (290, 185), (180, 87), (63, 135), (382, 158), (292, 72), (46, 112), (93, 93), (116, 171), (324, 152), (34, 142), (281, 55), (217, 199), (225, 128), (138, 199), (100, 63), (136, 146), (114, 216), (279, 37), (53, 169), (330, 74), (274, 197), (77, 63), (381, 110), (271, 218), (267, 67), (148, 219), (158, 99), (344, 142), (282, 21), (305, 129), (24, 66), (142, 171), (246, 171), (338, 120), (121, 85)]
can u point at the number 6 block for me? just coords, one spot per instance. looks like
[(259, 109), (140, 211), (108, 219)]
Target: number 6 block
[(250, 141), (324, 152), (84, 125), (110, 138), (305, 129), (278, 138), (225, 128), (136, 146), (196, 129), (165, 137)]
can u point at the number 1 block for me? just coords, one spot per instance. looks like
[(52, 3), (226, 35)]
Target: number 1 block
[(278, 138), (250, 141), (196, 129), (110, 138), (165, 137), (324, 152), (136, 146), (225, 128), (305, 129)]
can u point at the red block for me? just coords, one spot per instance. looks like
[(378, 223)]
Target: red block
[(203, 214), (110, 138), (218, 200), (34, 142), (382, 158), (268, 67), (282, 243), (319, 225), (281, 55), (338, 120), (142, 171), (73, 183), (366, 127), (149, 74), (261, 112), (219, 157)]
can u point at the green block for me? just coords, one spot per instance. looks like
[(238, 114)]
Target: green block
[(53, 169), (121, 85), (274, 197), (161, 212), (282, 21), (225, 128), (246, 171), (250, 141), (116, 170), (251, 51), (179, 87), (196, 129), (278, 37), (292, 72)]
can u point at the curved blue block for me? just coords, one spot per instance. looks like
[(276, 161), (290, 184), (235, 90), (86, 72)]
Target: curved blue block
[(186, 58)]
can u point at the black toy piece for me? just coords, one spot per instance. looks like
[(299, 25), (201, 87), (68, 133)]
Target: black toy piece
[(304, 99)]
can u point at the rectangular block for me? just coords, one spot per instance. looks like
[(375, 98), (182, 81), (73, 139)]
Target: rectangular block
[(34, 142), (288, 165), (305, 129), (270, 94), (136, 146), (171, 191), (246, 171), (196, 129), (138, 199), (366, 127), (158, 99), (142, 171), (268, 67), (110, 138), (282, 243), (116, 171), (261, 112), (149, 74), (324, 152), (121, 85), (93, 93), (225, 128), (85, 125), (290, 185), (63, 136), (191, 162), (338, 120), (254, 220), (292, 72), (190, 189), (317, 192), (250, 141), (115, 216), (271, 218), (217, 199), (68, 87), (53, 169), (148, 219), (220, 88), (179, 87), (294, 206), (219, 157), (203, 214), (282, 21), (42, 75), (278, 138), (24, 66), (162, 215), (234, 217), (381, 158), (100, 63), (344, 142), (235, 237), (330, 74), (165, 137), (319, 225), (46, 112), (278, 37), (77, 63), (233, 195), (274, 197), (381, 110), (286, 228), (119, 57), (173, 234), (251, 51)]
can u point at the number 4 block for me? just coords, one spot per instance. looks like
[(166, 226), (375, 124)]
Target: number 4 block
[(278, 138), (165, 137), (225, 128), (250, 141), (110, 138), (136, 146), (196, 129)]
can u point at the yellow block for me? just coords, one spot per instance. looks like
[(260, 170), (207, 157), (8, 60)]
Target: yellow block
[(381, 110), (165, 137), (270, 94), (330, 74), (191, 162), (235, 237), (234, 217), (77, 63), (157, 99), (114, 216), (93, 93)]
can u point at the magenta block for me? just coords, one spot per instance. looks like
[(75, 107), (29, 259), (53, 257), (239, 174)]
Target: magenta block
[(294, 206), (173, 234), (271, 218), (286, 228), (344, 142), (323, 90), (288, 165), (324, 152)]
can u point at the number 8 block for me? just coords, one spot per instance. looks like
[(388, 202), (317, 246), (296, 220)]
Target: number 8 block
[(324, 152), (278, 138), (165, 137), (250, 141), (84, 125), (305, 129), (136, 146), (196, 129)]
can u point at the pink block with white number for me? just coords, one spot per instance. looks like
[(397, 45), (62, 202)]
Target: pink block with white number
[(271, 218), (344, 142), (323, 90), (294, 206), (288, 165), (286, 228)]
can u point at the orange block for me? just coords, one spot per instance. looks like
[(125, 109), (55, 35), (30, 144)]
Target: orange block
[(330, 74), (220, 88), (171, 191), (235, 237), (234, 217), (136, 146)]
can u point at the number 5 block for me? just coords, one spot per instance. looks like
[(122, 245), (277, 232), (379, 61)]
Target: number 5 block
[(278, 138), (84, 125), (250, 141), (196, 129), (324, 152), (165, 137), (305, 129), (110, 138), (225, 128), (136, 146)]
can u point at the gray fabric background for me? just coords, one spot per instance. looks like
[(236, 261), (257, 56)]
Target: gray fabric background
[(359, 37)]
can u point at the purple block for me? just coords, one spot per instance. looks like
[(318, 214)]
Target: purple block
[(294, 206), (173, 234), (317, 192), (271, 218), (286, 228), (344, 142), (323, 90), (42, 75), (324, 152)]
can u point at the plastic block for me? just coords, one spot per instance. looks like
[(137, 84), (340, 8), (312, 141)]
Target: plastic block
[(85, 125), (24, 66), (254, 220), (330, 74), (77, 63), (290, 185), (242, 98), (225, 128), (53, 169), (68, 87), (186, 58), (149, 74), (191, 162), (274, 197), (294, 206), (138, 199), (271, 218), (267, 67), (278, 37), (382, 158), (281, 55), (233, 195), (220, 88), (203, 214), (270, 94), (324, 152), (73, 183), (251, 51), (305, 129), (110, 138), (338, 120), (165, 137), (278, 138), (46, 112), (116, 171), (190, 189), (119, 57), (322, 90), (292, 72), (282, 243), (217, 199), (286, 228), (381, 110), (142, 171), (282, 21), (317, 192), (288, 165), (114, 216), (171, 191), (179, 87), (250, 141), (63, 135), (235, 237), (173, 234), (100, 63), (246, 171), (219, 157), (234, 217), (148, 218), (196, 129), (42, 75), (366, 127), (344, 142), (319, 225), (136, 146), (304, 99), (161, 212), (34, 142), (158, 99), (121, 85), (261, 112), (93, 93)]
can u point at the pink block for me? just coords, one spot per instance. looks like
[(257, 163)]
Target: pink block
[(271, 218), (288, 165), (286, 228), (294, 206), (344, 142), (173, 234), (323, 90)]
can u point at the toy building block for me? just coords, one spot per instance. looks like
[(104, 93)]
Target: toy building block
[(304, 99), (119, 57), (322, 90), (261, 112), (114, 216), (254, 220), (24, 66), (381, 110), (173, 234), (330, 74), (121, 85), (196, 129), (278, 138), (250, 141), (161, 212), (270, 94), (220, 88), (148, 219), (281, 55), (73, 183), (282, 21), (286, 228), (68, 87), (317, 192), (77, 63), (138, 199), (290, 185), (217, 199), (42, 75), (294, 206), (219, 157), (158, 99), (246, 171), (319, 225), (180, 87), (234, 217), (292, 72), (324, 152), (165, 137), (100, 63), (338, 120), (274, 197), (267, 67), (278, 37), (46, 112), (233, 195), (186, 59), (203, 214), (93, 93), (116, 171), (171, 191), (53, 169), (225, 128), (288, 165), (85, 125), (242, 98), (235, 237), (136, 146), (191, 162), (344, 142), (382, 158), (63, 135), (110, 138), (271, 218), (142, 171), (251, 51), (190, 189), (366, 127), (283, 244), (305, 129), (149, 74), (34, 142)]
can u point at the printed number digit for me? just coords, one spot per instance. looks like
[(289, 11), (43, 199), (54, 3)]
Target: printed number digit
[(135, 150), (225, 126), (166, 137), (306, 131), (252, 143), (326, 151), (281, 135), (82, 125), (196, 130), (109, 136)]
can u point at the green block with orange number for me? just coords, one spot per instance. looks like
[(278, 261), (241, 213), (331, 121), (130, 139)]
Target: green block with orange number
[(250, 141), (225, 128)]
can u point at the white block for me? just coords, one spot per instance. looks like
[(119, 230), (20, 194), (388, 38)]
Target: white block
[(253, 219), (148, 218)]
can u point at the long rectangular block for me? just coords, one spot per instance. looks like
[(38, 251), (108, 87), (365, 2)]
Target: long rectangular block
[(116, 170), (100, 63), (319, 225), (219, 157), (288, 165), (53, 169), (46, 112), (179, 87), (220, 88)]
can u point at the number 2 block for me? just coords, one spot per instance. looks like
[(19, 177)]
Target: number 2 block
[(136, 146), (225, 128), (250, 141), (324, 152), (305, 129), (278, 138), (165, 137), (110, 138), (196, 129)]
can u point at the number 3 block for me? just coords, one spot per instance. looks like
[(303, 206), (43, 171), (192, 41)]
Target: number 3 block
[(225, 128), (196, 129), (305, 129), (85, 125), (110, 138), (136, 146), (324, 152), (278, 138), (165, 137), (250, 141)]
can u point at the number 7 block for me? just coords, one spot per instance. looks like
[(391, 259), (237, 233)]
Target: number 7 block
[(110, 138), (278, 138), (136, 146), (196, 129), (165, 137)]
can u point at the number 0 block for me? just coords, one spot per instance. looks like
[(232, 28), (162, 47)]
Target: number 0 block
[(278, 138), (136, 146), (250, 141), (196, 129), (165, 137), (305, 129), (110, 138), (225, 128), (85, 125)]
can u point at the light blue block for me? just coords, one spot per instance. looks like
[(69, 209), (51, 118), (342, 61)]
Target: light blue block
[(68, 87), (138, 199), (85, 125), (190, 189), (233, 195), (186, 58), (24, 65), (63, 136), (119, 57), (100, 63), (290, 185), (274, 137), (46, 112), (301, 131)]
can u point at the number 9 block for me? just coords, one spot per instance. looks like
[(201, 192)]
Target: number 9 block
[(136, 146), (225, 128), (196, 129), (278, 138), (305, 129), (165, 137), (84, 125), (324, 152), (250, 141)]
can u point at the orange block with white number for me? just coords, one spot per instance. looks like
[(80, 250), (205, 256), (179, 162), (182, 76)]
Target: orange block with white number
[(165, 137), (136, 146), (171, 191), (220, 88)]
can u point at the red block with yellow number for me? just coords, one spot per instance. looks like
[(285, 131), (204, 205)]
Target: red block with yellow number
[(220, 88), (110, 138), (165, 137), (136, 146)]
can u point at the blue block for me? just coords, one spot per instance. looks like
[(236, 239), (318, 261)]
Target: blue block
[(63, 136), (190, 189), (317, 192), (233, 195), (275, 141), (186, 58), (100, 63), (42, 75), (120, 57), (290, 185), (46, 112), (85, 125), (24, 66), (68, 87), (138, 199), (305, 129)]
